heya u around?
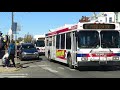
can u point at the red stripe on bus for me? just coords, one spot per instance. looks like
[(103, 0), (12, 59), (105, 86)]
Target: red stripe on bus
[(62, 30), (95, 55), (59, 31)]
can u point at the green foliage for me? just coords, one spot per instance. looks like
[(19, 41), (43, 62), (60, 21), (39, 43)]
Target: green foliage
[(28, 38), (20, 39)]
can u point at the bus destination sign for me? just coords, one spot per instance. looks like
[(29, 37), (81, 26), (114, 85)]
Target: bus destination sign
[(98, 26)]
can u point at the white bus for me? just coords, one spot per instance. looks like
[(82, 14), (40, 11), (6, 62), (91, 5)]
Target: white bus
[(40, 43), (85, 44)]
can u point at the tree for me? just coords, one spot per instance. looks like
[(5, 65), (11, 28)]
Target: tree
[(28, 38), (84, 19), (20, 39)]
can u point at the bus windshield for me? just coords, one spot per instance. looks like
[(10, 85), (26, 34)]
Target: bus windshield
[(88, 39), (109, 39), (40, 43)]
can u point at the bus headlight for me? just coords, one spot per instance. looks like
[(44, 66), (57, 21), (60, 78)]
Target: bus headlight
[(84, 58), (115, 58)]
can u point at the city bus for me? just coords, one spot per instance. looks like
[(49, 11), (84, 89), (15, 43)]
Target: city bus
[(84, 44), (39, 41)]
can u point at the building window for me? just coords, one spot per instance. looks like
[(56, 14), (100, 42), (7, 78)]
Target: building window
[(110, 19)]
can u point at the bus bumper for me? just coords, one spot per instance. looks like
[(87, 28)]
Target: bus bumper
[(41, 53), (97, 63)]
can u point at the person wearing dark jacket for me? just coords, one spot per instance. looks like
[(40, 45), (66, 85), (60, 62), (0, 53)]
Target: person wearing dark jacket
[(11, 52)]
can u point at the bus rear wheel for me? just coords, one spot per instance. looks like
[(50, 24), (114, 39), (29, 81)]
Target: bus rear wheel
[(69, 60)]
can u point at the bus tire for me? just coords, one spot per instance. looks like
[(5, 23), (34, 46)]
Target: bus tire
[(69, 60)]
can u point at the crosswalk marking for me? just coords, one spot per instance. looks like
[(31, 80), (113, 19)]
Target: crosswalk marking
[(11, 75)]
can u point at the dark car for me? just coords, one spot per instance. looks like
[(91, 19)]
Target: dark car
[(28, 51)]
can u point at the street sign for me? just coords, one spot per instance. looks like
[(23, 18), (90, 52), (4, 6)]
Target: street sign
[(14, 27)]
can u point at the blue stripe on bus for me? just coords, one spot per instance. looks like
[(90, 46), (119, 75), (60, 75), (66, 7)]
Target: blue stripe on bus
[(82, 55), (117, 54)]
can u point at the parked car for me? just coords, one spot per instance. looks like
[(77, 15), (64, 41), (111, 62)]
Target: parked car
[(28, 51)]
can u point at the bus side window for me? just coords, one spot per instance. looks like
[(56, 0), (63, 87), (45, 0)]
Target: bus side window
[(68, 41), (62, 41), (50, 41), (53, 40), (57, 41), (47, 42)]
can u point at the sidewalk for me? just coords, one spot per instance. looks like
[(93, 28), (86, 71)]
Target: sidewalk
[(9, 69), (16, 61)]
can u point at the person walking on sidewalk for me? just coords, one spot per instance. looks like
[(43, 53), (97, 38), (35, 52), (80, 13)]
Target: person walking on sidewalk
[(11, 52)]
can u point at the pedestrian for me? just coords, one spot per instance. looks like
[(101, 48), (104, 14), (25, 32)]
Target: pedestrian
[(11, 52), (5, 60)]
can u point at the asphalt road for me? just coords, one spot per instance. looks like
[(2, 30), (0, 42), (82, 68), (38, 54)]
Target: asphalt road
[(42, 68)]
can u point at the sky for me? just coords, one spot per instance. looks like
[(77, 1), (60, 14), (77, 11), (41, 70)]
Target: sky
[(36, 23)]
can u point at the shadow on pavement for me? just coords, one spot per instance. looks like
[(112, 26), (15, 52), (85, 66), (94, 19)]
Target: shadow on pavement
[(25, 66), (99, 68), (92, 68), (59, 63), (31, 61)]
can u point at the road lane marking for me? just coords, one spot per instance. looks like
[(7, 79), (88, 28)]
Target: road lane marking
[(61, 68), (70, 69), (49, 69), (43, 65), (33, 66)]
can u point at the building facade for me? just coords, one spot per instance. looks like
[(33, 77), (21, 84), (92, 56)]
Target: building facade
[(108, 17)]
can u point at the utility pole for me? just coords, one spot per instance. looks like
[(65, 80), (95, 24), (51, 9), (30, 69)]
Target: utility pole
[(12, 24)]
